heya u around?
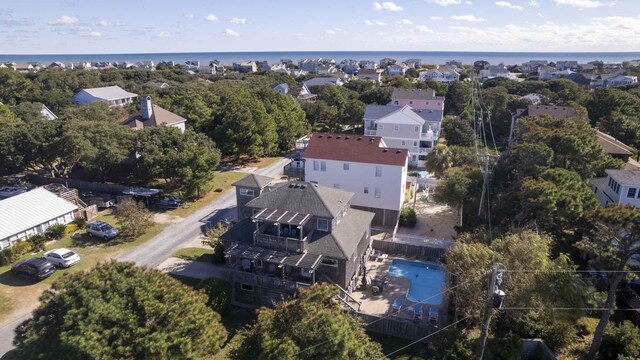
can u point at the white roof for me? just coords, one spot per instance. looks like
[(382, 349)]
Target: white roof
[(408, 116), (35, 207), (109, 93)]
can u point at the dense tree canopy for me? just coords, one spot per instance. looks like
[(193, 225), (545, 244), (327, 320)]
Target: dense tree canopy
[(294, 328), (458, 131), (120, 311)]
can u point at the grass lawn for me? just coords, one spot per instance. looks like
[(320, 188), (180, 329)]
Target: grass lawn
[(196, 254), (222, 180), (16, 290)]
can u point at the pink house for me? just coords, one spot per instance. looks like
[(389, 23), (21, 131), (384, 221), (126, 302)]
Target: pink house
[(420, 99)]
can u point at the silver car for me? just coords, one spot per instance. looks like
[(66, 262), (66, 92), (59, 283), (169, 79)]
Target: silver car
[(102, 230)]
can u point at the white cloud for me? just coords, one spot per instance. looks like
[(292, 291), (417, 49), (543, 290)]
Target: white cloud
[(387, 5), (162, 34), (375, 22), (335, 30), (95, 34), (533, 3), (582, 4), (470, 18), (105, 23), (330, 32), (189, 16), (445, 2), (436, 18), (211, 17), (468, 2), (229, 32), (424, 29), (236, 20), (405, 22), (65, 20), (508, 5)]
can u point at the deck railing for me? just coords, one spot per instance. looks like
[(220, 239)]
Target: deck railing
[(265, 281)]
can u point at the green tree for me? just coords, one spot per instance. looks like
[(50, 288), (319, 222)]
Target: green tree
[(460, 187), (93, 112), (459, 100), (294, 328), (213, 240), (289, 117), (120, 311), (621, 342), (439, 160), (458, 131), (134, 218), (614, 240)]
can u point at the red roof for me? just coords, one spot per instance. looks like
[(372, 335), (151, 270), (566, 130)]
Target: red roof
[(355, 148)]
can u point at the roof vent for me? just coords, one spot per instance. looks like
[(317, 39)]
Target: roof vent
[(319, 136), (303, 186), (296, 186), (371, 140), (385, 150), (398, 151), (329, 136), (338, 137), (346, 138), (359, 138), (315, 185), (290, 185)]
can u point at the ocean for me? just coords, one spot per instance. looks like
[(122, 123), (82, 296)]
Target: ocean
[(427, 57)]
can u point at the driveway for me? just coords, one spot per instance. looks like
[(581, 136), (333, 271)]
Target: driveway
[(155, 251)]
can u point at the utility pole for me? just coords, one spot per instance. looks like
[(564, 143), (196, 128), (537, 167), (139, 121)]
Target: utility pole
[(488, 311)]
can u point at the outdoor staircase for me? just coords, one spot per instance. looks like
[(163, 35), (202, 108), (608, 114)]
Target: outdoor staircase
[(72, 197), (345, 298)]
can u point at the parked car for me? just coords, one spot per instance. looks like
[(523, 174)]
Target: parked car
[(62, 258), (168, 202), (102, 229), (34, 268)]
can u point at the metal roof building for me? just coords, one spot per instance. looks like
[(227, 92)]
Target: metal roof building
[(31, 213)]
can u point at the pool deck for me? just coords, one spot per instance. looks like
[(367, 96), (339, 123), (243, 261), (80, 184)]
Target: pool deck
[(397, 288)]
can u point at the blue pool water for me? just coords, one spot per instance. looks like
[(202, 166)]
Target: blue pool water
[(427, 280)]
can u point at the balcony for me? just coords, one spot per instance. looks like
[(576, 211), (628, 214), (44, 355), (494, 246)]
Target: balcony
[(264, 237), (294, 169), (266, 280), (429, 136), (370, 132)]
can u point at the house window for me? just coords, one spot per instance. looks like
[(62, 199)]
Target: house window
[(329, 262), (377, 193), (403, 143), (427, 103), (315, 165), (396, 102), (378, 171), (631, 193), (258, 263), (417, 128), (248, 192), (411, 102), (380, 126), (366, 190), (413, 157), (397, 128), (323, 225), (336, 186), (345, 166), (323, 166), (415, 143), (246, 287)]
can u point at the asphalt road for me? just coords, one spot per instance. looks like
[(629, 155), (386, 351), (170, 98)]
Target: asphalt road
[(153, 252)]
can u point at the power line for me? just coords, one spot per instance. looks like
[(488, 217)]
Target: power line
[(571, 271), (569, 308), (426, 337)]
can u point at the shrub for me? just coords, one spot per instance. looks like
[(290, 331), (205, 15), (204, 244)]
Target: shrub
[(37, 242), (55, 232), (134, 218), (81, 223), (408, 217), (621, 341), (11, 254), (71, 228), (218, 293), (6, 256)]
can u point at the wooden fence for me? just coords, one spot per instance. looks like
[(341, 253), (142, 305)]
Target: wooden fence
[(79, 184), (431, 253), (394, 326)]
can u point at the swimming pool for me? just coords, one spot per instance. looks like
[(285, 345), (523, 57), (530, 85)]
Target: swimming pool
[(426, 280)]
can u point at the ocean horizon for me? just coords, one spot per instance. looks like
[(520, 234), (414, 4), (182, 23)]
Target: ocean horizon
[(427, 57)]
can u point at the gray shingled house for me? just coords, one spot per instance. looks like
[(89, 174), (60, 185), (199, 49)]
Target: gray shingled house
[(297, 234)]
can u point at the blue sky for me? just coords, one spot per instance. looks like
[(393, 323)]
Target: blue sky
[(118, 26)]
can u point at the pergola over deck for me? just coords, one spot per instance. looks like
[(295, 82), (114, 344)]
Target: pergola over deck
[(281, 216), (305, 261)]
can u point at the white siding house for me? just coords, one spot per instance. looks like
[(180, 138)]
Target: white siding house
[(405, 128), (113, 95), (620, 187), (31, 213), (363, 165)]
